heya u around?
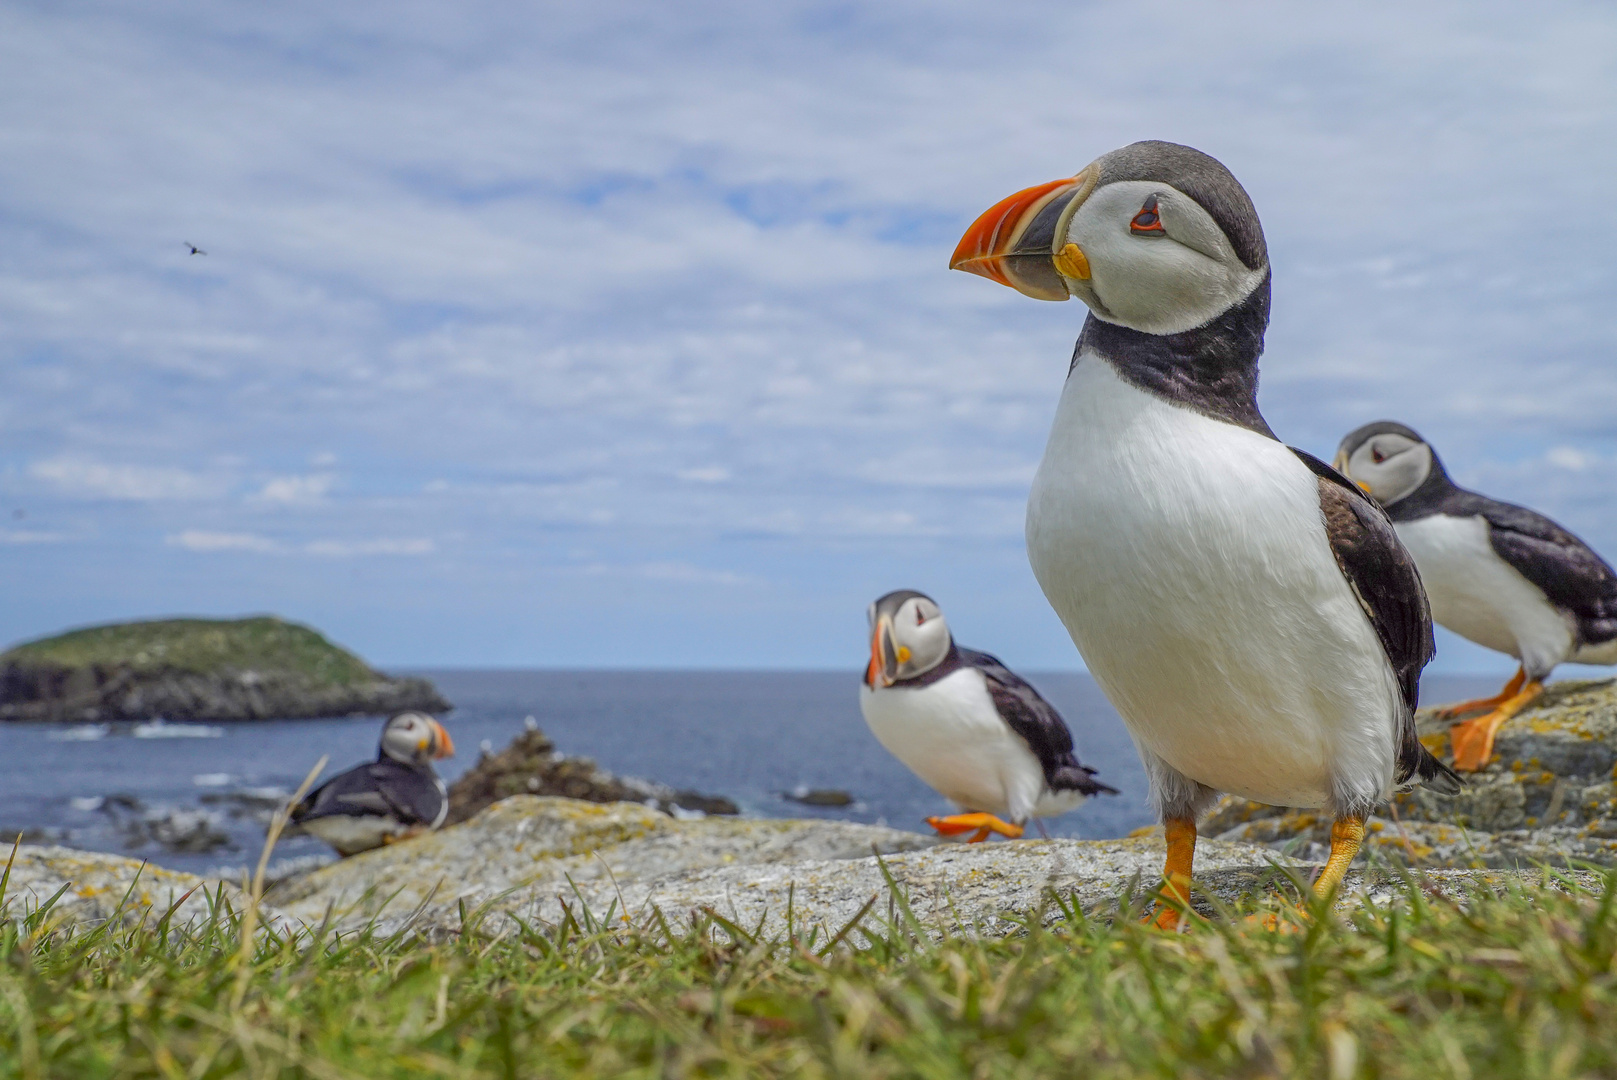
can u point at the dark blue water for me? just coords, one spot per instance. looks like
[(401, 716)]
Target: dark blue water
[(200, 803)]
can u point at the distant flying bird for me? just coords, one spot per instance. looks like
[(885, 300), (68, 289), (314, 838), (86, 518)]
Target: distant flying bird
[(1248, 610), (1500, 575), (194, 249), (966, 724), (396, 796)]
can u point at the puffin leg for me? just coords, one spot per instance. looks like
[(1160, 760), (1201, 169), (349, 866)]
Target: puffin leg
[(1347, 833), (1451, 712), (955, 824), (1473, 739), (1180, 834)]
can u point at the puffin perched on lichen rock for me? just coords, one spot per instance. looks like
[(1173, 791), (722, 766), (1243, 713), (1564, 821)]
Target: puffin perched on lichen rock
[(1500, 575), (1248, 610), (967, 725), (396, 796)]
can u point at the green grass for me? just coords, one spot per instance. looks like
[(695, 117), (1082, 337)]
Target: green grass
[(1519, 985), (201, 646)]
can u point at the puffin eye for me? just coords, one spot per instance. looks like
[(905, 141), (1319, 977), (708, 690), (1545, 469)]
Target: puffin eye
[(1148, 222), (920, 616), (1377, 456)]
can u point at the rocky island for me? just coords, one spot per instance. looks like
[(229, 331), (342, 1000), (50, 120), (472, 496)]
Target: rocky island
[(258, 668)]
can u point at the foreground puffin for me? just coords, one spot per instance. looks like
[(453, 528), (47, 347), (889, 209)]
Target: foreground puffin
[(967, 724), (397, 795), (1247, 609), (1500, 575)]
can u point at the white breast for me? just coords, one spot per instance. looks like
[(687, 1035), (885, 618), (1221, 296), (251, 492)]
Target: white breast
[(1188, 559), (353, 833), (951, 736), (1480, 596)]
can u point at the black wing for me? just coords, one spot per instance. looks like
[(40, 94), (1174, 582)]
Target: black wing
[(1038, 724), (385, 788), (1382, 576), (1564, 567)]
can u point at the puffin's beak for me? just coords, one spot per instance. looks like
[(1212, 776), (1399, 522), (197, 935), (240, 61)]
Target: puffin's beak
[(442, 745), (883, 669), (1013, 243), (1340, 464)]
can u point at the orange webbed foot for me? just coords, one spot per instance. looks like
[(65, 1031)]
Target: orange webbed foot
[(1472, 740), (981, 824)]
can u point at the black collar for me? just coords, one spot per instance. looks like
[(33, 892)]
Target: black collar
[(1212, 368)]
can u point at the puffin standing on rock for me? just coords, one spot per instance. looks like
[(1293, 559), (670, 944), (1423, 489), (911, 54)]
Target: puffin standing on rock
[(967, 724), (1247, 609), (1500, 575), (396, 796)]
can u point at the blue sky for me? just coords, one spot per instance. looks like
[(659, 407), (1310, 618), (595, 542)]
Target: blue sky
[(622, 334)]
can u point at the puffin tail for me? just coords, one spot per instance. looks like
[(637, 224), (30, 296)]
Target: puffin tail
[(1079, 778), (1436, 775)]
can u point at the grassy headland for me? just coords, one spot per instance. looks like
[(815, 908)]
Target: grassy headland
[(1518, 985), (200, 647), (257, 668)]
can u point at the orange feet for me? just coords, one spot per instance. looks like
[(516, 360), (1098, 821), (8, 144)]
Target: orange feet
[(955, 824), (1473, 739), (1174, 903), (1347, 834), (1459, 709)]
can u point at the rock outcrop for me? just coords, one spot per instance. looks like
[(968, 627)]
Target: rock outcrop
[(199, 669), (533, 861), (1548, 796), (531, 765)]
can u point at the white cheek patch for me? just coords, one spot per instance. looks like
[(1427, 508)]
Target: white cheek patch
[(1157, 284)]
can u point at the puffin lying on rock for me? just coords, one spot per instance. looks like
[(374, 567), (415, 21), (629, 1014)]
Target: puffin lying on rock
[(1500, 575), (1248, 610), (967, 724), (396, 796)]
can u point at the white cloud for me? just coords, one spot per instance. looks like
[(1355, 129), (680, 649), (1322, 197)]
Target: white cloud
[(200, 540), (89, 479), (707, 474), (296, 489), (31, 536), (348, 548), (1569, 457)]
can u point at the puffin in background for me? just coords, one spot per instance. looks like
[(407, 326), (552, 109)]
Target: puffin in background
[(1497, 574), (966, 724), (398, 795), (1248, 610)]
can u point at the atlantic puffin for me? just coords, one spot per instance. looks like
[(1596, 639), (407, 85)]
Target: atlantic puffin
[(1498, 574), (966, 724), (399, 794), (1248, 610)]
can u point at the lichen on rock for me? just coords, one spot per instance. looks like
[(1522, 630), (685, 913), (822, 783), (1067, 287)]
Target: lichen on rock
[(1546, 797)]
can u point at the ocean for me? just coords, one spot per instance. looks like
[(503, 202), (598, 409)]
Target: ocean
[(195, 797)]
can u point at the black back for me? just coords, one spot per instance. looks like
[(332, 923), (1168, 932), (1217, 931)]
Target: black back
[(1383, 577), (1568, 571), (1032, 718), (383, 787)]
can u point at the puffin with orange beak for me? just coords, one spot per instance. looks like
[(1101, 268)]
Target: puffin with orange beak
[(1249, 611), (396, 796), (967, 725)]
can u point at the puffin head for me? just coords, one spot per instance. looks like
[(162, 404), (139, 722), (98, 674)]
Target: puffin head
[(1388, 460), (908, 637), (414, 738), (1155, 236)]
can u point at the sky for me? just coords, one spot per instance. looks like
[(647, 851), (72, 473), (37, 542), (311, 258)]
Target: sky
[(622, 335)]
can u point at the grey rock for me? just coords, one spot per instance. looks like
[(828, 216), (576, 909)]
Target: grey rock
[(532, 860), (1547, 797), (100, 886)]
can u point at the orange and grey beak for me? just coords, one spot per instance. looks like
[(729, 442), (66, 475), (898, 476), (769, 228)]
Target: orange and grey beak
[(883, 669), (1340, 464), (442, 745), (1014, 242)]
